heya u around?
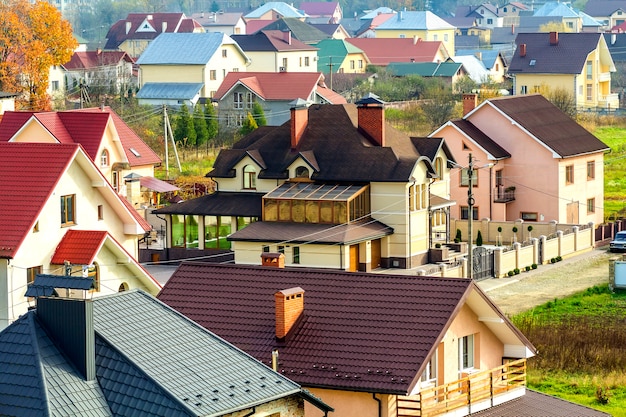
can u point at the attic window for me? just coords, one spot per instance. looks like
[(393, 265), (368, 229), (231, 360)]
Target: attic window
[(466, 148), (532, 62), (135, 152)]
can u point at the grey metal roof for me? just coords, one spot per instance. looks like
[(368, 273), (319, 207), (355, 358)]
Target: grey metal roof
[(415, 20), (282, 8), (181, 91), (183, 48), (63, 281)]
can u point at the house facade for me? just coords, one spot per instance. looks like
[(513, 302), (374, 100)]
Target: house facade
[(338, 55), (382, 51), (532, 162), (228, 23), (108, 71), (175, 60), (67, 221), (578, 63), (335, 187), (330, 11), (609, 12), (335, 334)]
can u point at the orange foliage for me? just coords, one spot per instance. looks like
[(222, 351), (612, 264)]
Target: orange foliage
[(33, 37)]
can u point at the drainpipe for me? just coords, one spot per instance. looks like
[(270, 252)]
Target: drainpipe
[(430, 220), (380, 404), (341, 257)]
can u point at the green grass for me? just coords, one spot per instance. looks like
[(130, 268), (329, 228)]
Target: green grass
[(581, 342), (614, 169)]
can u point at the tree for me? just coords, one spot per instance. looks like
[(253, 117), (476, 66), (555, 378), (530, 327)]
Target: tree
[(211, 122), (33, 38), (258, 114), (554, 27), (439, 104), (184, 133), (479, 239), (249, 125), (560, 97), (199, 124)]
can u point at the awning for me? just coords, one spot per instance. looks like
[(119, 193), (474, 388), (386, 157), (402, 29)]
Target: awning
[(437, 202), (157, 185)]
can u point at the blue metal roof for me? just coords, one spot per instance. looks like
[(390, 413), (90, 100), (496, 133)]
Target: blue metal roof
[(183, 48), (415, 20), (172, 91), (63, 281)]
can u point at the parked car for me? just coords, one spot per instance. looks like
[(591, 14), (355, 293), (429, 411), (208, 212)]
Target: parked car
[(619, 243)]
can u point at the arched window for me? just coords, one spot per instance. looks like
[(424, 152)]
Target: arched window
[(93, 272), (302, 172), (104, 158), (123, 287), (249, 177), (439, 168)]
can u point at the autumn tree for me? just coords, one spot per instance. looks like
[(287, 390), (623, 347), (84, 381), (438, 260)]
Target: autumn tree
[(33, 38), (249, 125), (259, 114)]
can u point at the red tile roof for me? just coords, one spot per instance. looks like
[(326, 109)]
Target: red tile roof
[(30, 172), (79, 247), (273, 85), (95, 59), (359, 332), (382, 51)]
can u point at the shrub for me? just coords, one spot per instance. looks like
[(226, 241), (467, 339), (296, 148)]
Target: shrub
[(437, 245), (511, 273), (603, 395), (530, 228), (458, 236), (552, 260), (516, 271), (527, 268), (479, 239), (514, 229), (499, 229), (456, 240), (534, 266), (559, 259)]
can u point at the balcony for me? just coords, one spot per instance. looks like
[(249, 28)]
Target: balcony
[(608, 101), (470, 394), (502, 194)]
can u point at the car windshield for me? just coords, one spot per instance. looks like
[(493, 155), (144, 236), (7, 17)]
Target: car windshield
[(620, 236)]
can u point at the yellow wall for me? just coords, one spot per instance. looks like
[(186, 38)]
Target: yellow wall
[(353, 60), (271, 62)]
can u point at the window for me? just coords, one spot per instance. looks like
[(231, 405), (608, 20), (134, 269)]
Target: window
[(435, 37), (213, 75), (445, 37), (249, 178), (216, 230), (569, 174), (360, 64), (178, 231), (104, 158), (465, 178), (296, 254), (68, 208), (306, 61), (115, 180), (266, 249), (352, 64), (439, 168), (31, 273), (589, 70), (591, 170), (466, 352), (430, 373), (589, 92), (285, 63), (235, 70), (191, 232), (490, 21), (570, 25), (100, 212), (523, 90), (55, 86), (281, 249), (591, 205), (529, 216), (497, 67), (465, 213), (302, 172), (224, 53), (249, 100), (238, 100)]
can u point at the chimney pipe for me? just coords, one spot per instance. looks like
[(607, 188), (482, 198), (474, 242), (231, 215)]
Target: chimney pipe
[(554, 38), (522, 50), (371, 120), (287, 37), (163, 27), (129, 25), (274, 260), (275, 360), (470, 101), (512, 28), (299, 121), (289, 305)]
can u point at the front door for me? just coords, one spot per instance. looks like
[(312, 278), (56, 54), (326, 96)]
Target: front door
[(354, 258), (375, 255), (572, 213)]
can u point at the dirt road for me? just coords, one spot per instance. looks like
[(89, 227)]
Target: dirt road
[(528, 289)]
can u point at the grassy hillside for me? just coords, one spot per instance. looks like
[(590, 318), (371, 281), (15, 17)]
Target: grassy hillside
[(614, 169)]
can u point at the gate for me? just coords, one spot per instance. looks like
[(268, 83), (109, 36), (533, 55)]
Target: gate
[(482, 263)]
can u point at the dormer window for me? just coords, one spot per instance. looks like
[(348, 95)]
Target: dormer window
[(249, 178), (302, 172), (104, 158)]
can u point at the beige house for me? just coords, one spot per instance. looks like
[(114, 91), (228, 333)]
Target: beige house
[(532, 162), (175, 60), (579, 63), (62, 217)]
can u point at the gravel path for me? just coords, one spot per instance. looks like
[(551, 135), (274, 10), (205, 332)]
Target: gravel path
[(529, 289)]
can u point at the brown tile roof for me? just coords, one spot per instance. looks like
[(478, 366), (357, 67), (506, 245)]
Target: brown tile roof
[(360, 332), (219, 203), (310, 233), (341, 151), (174, 23), (272, 41), (567, 57), (536, 404), (548, 124), (484, 141)]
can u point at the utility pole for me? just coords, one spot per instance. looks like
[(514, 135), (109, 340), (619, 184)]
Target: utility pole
[(330, 65), (165, 123), (470, 218)]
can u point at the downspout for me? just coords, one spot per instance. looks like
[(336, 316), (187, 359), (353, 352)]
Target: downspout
[(410, 253), (341, 256), (430, 220), (380, 404)]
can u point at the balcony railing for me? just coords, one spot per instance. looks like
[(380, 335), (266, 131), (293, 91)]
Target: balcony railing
[(503, 194), (467, 395)]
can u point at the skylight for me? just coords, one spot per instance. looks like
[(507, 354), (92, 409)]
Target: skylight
[(533, 62), (135, 152)]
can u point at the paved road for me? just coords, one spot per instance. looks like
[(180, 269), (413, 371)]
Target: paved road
[(528, 289)]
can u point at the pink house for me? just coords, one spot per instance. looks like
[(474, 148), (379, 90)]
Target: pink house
[(532, 161)]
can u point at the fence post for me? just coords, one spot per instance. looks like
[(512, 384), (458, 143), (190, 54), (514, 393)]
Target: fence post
[(559, 236), (535, 243), (542, 255), (442, 269), (497, 260), (592, 242), (517, 247), (575, 229)]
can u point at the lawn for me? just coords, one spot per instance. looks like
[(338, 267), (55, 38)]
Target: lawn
[(581, 341), (614, 169)]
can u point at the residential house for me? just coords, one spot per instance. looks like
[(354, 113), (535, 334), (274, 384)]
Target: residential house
[(113, 147), (335, 187), (571, 18), (176, 63), (61, 214), (275, 92), (510, 13), (277, 51), (227, 23), (7, 102), (57, 85), (362, 342), (106, 71), (333, 30), (450, 72), (579, 63), (338, 55), (423, 24), (492, 59), (329, 11), (133, 34), (369, 25), (300, 30), (609, 12), (474, 68), (533, 162), (382, 51), (129, 354), (485, 15), (274, 10)]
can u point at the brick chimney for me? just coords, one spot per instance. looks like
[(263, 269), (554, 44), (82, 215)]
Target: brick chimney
[(273, 260), (289, 307), (129, 25), (299, 120), (287, 37), (470, 101), (371, 118), (554, 38), (163, 27), (522, 50), (512, 28)]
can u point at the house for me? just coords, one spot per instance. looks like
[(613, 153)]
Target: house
[(180, 62), (609, 12), (579, 63), (362, 342), (368, 26), (338, 55), (335, 187), (275, 92), (133, 34), (333, 30), (227, 23), (129, 354), (382, 51), (536, 163), (423, 24), (474, 68), (274, 10), (571, 18), (113, 147), (277, 51), (329, 11), (7, 102), (485, 15), (449, 72), (61, 214), (301, 31), (492, 59), (104, 70), (510, 13)]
